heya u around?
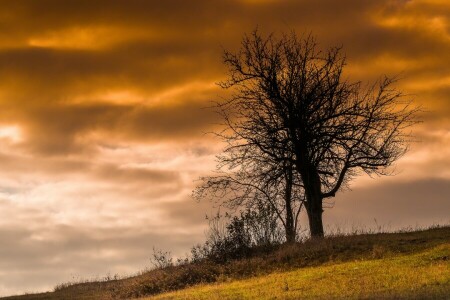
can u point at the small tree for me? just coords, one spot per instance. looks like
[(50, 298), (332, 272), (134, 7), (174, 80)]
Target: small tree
[(292, 108), (255, 183)]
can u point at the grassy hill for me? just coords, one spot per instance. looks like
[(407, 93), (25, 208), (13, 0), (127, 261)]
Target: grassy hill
[(424, 275), (409, 265)]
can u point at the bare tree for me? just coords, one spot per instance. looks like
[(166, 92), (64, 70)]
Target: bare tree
[(257, 185), (292, 109)]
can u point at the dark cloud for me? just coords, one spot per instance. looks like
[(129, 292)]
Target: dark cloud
[(59, 128), (151, 48), (394, 205)]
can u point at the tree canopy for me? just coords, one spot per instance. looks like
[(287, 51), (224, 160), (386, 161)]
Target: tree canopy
[(292, 111)]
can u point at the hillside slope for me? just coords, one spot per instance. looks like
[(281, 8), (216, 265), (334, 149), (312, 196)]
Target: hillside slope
[(425, 275), (391, 265)]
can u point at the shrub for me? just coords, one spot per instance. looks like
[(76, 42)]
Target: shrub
[(161, 259), (234, 237)]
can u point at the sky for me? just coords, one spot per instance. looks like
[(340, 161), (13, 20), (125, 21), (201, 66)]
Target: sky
[(103, 115)]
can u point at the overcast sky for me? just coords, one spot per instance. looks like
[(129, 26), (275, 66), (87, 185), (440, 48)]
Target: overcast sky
[(102, 122)]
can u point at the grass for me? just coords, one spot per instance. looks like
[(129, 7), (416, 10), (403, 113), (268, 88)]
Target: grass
[(425, 275), (408, 265)]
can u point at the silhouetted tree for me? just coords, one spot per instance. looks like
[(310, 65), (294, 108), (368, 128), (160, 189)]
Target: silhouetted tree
[(293, 113), (257, 185)]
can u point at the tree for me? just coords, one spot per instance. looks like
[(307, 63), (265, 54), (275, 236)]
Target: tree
[(293, 109), (257, 185)]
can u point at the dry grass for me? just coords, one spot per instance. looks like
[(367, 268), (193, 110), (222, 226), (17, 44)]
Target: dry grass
[(333, 252), (425, 275)]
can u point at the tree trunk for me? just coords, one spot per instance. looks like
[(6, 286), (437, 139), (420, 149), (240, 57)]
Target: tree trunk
[(290, 230), (314, 209), (313, 191), (315, 220), (313, 203)]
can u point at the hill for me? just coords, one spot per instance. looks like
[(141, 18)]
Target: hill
[(408, 265), (423, 275)]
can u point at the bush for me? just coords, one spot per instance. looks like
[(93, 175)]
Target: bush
[(161, 259), (234, 237)]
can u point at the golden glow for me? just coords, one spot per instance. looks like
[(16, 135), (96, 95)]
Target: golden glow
[(11, 133), (412, 18), (176, 93), (429, 83), (386, 63), (437, 24), (115, 97), (87, 38), (74, 38), (165, 97)]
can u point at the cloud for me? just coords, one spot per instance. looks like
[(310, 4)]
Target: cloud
[(103, 115), (393, 205)]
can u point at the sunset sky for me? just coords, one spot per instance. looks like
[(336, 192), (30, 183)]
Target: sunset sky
[(103, 119)]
